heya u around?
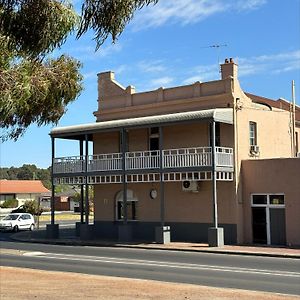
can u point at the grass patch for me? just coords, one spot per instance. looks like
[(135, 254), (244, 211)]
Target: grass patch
[(62, 217)]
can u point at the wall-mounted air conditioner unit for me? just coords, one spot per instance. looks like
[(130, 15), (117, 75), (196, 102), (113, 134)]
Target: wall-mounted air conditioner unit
[(254, 149), (190, 186)]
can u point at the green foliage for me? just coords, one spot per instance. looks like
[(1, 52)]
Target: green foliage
[(35, 88), (9, 203), (31, 207), (36, 27)]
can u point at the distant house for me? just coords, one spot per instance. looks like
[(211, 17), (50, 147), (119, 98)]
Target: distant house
[(63, 201), (22, 190)]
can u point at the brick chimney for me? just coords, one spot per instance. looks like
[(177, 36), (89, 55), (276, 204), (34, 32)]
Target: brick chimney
[(229, 69)]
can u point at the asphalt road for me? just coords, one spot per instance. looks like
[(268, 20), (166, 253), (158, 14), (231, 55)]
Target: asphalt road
[(218, 270)]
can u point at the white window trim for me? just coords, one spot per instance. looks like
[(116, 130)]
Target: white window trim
[(268, 206)]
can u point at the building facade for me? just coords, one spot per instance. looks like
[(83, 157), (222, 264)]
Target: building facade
[(174, 158)]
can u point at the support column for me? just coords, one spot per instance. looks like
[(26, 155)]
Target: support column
[(162, 232), (124, 230), (87, 208), (81, 203), (81, 187), (86, 230), (52, 230), (215, 233)]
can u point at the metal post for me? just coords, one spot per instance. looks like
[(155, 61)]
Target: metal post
[(52, 182), (214, 176), (123, 150), (81, 186), (161, 186), (86, 180)]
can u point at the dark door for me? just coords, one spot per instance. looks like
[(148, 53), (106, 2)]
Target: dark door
[(259, 225), (277, 226)]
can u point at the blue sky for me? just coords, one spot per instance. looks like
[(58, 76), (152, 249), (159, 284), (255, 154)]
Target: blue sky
[(168, 45)]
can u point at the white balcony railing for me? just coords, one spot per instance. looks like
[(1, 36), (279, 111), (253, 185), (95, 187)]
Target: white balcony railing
[(105, 162), (224, 157), (142, 160), (71, 164), (139, 160), (187, 157)]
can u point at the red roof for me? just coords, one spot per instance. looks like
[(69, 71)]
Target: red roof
[(280, 103), (22, 187)]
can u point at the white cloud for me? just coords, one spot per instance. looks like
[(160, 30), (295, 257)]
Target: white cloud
[(151, 66), (188, 11), (162, 81), (249, 4), (203, 73), (272, 63), (88, 53)]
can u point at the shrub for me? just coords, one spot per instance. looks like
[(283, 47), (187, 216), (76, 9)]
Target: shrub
[(9, 203), (30, 207)]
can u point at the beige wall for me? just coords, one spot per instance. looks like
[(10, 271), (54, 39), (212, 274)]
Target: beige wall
[(180, 206), (176, 136), (273, 176)]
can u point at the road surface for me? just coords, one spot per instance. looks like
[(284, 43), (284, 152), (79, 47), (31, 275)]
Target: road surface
[(280, 275)]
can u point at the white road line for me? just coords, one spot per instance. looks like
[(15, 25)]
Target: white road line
[(159, 264)]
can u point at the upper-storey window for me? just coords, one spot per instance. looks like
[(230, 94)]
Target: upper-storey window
[(253, 133), (154, 139), (217, 133)]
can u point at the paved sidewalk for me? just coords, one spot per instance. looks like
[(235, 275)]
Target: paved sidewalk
[(67, 237)]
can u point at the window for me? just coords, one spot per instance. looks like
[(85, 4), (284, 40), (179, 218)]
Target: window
[(218, 134), (131, 206), (131, 210), (154, 139), (253, 133), (259, 199), (297, 142), (4, 197)]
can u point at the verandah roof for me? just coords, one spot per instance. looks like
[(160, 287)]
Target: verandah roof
[(223, 115)]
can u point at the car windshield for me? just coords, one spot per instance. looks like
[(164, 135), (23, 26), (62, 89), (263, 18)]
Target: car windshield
[(11, 217)]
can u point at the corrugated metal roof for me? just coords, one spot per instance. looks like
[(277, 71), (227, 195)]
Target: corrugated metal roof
[(22, 187), (224, 115)]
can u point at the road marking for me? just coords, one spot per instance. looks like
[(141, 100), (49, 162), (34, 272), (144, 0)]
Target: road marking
[(100, 259)]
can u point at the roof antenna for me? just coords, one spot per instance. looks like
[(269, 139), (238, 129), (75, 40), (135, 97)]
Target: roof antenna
[(217, 47)]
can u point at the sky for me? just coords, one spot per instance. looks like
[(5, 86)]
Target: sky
[(170, 44)]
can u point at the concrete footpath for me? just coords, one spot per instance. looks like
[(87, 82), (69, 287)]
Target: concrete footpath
[(68, 237)]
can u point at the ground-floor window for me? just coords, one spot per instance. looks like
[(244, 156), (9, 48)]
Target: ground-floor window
[(268, 219), (131, 206)]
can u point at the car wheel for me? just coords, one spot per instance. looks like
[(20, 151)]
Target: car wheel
[(16, 228), (31, 227)]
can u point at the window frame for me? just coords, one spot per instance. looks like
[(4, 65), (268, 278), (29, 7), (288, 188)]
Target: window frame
[(252, 137)]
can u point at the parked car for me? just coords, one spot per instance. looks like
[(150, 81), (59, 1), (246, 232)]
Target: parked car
[(17, 221)]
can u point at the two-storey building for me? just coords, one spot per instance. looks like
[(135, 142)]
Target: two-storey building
[(168, 163)]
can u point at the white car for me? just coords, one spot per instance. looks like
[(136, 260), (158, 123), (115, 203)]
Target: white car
[(17, 221)]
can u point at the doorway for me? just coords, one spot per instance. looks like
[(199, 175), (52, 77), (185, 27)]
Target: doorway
[(268, 219)]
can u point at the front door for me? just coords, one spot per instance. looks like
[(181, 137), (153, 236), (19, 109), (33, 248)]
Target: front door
[(268, 219), (277, 226), (259, 224)]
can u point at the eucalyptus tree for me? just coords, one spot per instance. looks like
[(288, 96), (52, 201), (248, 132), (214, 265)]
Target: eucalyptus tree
[(34, 87)]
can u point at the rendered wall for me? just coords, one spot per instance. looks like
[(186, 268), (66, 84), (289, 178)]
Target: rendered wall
[(273, 176)]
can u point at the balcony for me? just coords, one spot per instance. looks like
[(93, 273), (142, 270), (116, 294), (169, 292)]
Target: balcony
[(145, 160)]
